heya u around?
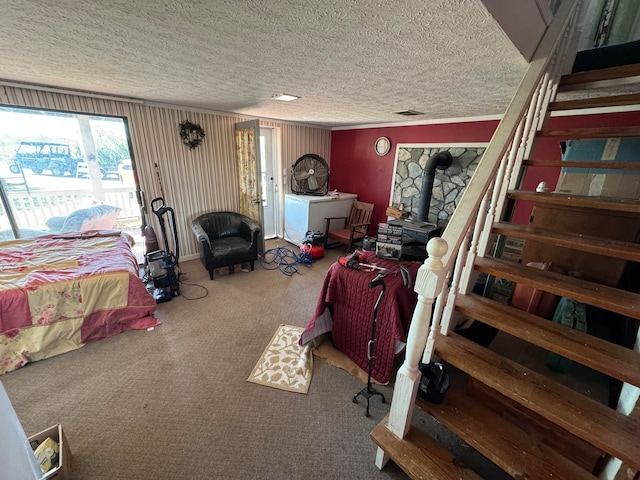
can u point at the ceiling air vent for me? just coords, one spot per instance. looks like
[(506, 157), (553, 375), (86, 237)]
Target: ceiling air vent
[(409, 113)]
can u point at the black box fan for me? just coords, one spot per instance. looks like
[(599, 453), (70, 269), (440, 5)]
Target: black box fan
[(310, 175)]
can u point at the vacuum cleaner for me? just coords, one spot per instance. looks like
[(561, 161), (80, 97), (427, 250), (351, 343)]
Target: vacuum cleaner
[(162, 264)]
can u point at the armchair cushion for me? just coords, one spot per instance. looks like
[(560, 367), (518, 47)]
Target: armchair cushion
[(226, 239)]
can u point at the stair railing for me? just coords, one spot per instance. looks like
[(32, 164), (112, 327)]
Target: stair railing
[(467, 233)]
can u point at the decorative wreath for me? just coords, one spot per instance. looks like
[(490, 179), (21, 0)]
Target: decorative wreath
[(191, 134)]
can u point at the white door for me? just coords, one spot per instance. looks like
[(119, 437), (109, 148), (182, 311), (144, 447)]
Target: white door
[(269, 180)]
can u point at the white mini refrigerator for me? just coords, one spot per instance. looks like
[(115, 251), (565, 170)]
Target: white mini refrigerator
[(307, 212)]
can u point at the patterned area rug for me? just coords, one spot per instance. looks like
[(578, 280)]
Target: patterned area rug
[(284, 364)]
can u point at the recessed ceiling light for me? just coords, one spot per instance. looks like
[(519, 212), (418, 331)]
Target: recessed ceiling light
[(284, 97)]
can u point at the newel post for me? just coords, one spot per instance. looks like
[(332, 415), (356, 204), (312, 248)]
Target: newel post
[(429, 284)]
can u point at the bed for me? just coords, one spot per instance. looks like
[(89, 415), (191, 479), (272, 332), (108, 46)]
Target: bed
[(60, 292)]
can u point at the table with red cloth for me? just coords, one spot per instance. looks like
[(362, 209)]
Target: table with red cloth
[(345, 308)]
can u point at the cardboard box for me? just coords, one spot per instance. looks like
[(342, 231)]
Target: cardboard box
[(63, 470), (574, 183), (599, 184), (394, 212), (615, 185), (388, 250), (600, 181)]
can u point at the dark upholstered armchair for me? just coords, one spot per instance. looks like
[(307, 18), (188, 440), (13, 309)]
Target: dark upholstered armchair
[(226, 239)]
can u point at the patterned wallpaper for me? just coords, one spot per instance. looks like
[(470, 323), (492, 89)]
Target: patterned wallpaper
[(196, 180)]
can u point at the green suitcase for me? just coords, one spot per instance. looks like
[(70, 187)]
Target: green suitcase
[(572, 314)]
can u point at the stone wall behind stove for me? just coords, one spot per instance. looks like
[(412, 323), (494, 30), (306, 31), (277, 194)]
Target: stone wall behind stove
[(448, 185)]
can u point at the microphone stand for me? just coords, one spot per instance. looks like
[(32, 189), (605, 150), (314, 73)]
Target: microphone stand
[(368, 391)]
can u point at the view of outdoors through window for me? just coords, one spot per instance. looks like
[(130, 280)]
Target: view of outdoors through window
[(62, 172)]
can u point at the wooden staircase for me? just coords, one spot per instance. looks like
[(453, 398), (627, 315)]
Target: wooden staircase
[(523, 419)]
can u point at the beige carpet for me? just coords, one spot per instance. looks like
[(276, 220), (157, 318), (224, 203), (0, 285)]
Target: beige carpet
[(284, 364), (174, 403)]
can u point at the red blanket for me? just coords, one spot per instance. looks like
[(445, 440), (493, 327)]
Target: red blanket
[(347, 294)]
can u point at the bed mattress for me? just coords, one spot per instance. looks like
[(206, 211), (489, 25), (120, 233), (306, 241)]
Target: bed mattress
[(60, 292)]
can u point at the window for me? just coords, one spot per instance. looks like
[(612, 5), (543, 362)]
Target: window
[(41, 181)]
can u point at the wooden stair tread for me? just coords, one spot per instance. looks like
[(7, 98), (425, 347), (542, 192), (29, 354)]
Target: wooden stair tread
[(419, 455), (612, 299), (575, 241), (600, 355), (597, 132), (599, 78), (585, 418), (579, 164), (581, 201), (575, 449), (604, 101), (511, 448)]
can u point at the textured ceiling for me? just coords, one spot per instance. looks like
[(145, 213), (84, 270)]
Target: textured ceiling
[(352, 62)]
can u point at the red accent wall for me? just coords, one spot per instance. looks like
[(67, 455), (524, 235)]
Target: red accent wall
[(356, 168)]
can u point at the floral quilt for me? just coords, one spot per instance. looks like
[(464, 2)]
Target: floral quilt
[(60, 292)]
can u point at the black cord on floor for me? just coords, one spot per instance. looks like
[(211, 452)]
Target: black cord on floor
[(206, 292), (285, 260), (179, 274)]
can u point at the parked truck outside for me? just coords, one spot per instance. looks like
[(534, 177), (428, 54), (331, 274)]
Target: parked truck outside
[(44, 156)]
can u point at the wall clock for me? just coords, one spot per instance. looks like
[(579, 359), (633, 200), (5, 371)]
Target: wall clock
[(383, 145)]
